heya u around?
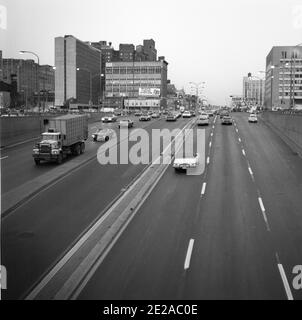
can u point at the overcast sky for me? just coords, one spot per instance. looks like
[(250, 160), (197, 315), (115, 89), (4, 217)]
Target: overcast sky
[(216, 41)]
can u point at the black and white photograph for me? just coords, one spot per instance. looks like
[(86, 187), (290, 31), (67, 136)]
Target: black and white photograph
[(151, 153)]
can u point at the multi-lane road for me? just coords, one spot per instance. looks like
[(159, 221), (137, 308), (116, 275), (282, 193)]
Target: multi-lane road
[(234, 232)]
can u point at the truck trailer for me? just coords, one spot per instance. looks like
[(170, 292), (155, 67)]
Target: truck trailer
[(63, 136)]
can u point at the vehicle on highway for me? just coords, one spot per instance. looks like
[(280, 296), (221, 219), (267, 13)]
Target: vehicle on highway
[(155, 115), (102, 134), (137, 113), (171, 117), (145, 117), (193, 113), (186, 114), (181, 109), (118, 112), (227, 120), (223, 113), (253, 118), (109, 118), (210, 113), (125, 123), (186, 163), (64, 135), (203, 120)]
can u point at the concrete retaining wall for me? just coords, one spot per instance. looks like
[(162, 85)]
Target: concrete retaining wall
[(18, 129), (287, 126)]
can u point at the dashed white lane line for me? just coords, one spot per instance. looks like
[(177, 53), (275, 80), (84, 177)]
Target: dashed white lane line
[(243, 152), (284, 280), (236, 130), (212, 134), (203, 190), (5, 157), (250, 171), (263, 213), (239, 139), (189, 254), (208, 160), (210, 144)]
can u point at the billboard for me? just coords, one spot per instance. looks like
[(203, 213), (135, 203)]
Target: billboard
[(149, 92)]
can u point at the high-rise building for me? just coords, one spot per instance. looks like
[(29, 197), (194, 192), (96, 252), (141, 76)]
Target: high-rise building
[(1, 66), (136, 82), (253, 90), (283, 84), (78, 72)]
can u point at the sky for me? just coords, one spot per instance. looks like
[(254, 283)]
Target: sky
[(215, 41)]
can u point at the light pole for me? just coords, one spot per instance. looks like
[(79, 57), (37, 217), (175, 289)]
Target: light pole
[(38, 73), (38, 80)]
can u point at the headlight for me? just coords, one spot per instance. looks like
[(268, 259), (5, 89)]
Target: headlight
[(36, 151), (93, 136), (103, 119), (55, 151)]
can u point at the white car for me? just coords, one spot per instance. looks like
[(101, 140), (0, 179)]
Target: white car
[(186, 163), (253, 118), (102, 135), (111, 118), (203, 120), (186, 114)]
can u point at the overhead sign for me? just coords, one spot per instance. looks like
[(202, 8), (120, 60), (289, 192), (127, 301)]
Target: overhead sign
[(149, 92)]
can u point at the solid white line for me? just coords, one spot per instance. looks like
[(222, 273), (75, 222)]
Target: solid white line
[(243, 152), (189, 253), (4, 158), (203, 190), (285, 282), (208, 160)]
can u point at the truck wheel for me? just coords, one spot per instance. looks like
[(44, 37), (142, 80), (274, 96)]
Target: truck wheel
[(82, 149), (37, 161), (60, 159), (77, 150), (106, 138)]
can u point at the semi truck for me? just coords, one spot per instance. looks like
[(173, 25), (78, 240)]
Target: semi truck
[(63, 136)]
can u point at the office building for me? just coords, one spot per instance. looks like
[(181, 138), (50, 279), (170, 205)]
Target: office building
[(78, 73), (283, 84), (128, 82), (1, 66), (253, 91)]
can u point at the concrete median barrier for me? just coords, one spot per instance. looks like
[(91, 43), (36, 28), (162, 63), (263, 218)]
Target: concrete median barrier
[(287, 126)]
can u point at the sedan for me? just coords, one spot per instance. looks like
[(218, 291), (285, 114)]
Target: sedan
[(227, 120), (111, 118), (102, 134), (145, 117), (253, 118)]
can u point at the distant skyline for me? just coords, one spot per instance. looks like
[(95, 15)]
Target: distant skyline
[(218, 42)]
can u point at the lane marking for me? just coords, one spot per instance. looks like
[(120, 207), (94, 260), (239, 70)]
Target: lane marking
[(284, 280), (264, 213), (236, 130), (189, 254), (250, 170), (208, 160), (239, 139), (5, 157), (210, 144), (243, 152), (203, 190), (212, 134)]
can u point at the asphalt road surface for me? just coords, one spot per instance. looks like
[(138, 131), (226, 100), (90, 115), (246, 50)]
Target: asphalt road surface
[(233, 233), (36, 234)]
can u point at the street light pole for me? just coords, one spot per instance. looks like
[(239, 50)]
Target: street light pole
[(38, 80)]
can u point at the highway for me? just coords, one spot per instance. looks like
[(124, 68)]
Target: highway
[(236, 238), (36, 234), (234, 232)]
